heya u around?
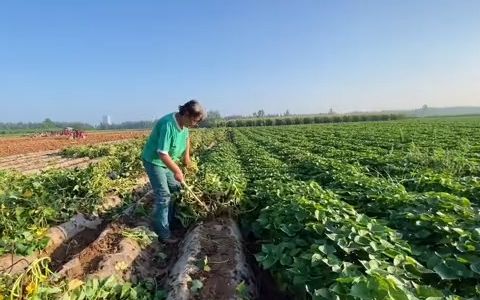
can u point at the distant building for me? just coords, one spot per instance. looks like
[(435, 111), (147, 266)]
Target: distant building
[(106, 120)]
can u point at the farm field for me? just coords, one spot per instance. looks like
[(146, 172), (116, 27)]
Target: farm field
[(384, 210), (10, 146)]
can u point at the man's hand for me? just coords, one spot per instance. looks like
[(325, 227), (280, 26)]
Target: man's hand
[(177, 172), (179, 176), (187, 162)]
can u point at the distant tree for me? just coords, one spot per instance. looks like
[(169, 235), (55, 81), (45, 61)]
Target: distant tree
[(261, 113), (220, 123), (48, 124), (327, 119), (213, 117), (214, 114), (336, 119), (240, 123), (249, 122), (279, 121), (259, 122), (307, 120), (269, 122), (288, 121), (287, 113), (395, 117)]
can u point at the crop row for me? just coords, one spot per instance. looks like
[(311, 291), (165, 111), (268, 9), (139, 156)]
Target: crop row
[(317, 245), (443, 227)]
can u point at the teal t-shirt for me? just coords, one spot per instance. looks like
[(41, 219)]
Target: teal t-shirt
[(166, 137)]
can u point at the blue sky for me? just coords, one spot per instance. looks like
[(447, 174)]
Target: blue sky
[(80, 59)]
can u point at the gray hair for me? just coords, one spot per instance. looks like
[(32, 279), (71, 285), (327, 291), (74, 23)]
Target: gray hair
[(193, 108)]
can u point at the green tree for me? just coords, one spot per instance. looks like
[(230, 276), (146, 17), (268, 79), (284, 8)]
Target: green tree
[(249, 122), (213, 118), (48, 124), (259, 122), (307, 120), (240, 123), (279, 121), (337, 119)]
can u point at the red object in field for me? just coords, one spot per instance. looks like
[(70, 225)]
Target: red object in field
[(79, 134), (70, 133)]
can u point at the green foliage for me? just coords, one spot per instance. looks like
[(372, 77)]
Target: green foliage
[(34, 203), (142, 235), (347, 211), (111, 288), (318, 244), (292, 120)]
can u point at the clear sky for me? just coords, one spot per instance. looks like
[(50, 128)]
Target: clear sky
[(80, 59)]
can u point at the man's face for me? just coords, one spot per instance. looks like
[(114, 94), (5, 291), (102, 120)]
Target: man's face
[(193, 121)]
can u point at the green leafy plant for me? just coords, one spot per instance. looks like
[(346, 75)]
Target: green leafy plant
[(141, 234)]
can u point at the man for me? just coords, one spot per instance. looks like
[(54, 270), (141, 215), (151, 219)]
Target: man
[(167, 144)]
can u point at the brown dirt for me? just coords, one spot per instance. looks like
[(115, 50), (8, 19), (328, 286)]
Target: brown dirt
[(218, 247), (153, 262), (16, 160), (23, 145), (68, 250), (92, 255), (47, 163)]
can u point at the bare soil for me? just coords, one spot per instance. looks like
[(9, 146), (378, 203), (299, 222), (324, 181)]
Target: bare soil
[(218, 247), (73, 247), (23, 145), (90, 257)]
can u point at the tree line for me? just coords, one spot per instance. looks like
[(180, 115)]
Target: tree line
[(296, 120), (214, 119)]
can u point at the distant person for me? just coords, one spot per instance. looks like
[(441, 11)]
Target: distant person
[(168, 144)]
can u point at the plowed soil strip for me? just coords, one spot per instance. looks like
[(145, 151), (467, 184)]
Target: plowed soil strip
[(63, 164), (16, 164), (29, 156), (89, 257), (57, 162), (73, 247)]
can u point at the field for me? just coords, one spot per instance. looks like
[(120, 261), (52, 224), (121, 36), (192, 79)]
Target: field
[(370, 210), (21, 145)]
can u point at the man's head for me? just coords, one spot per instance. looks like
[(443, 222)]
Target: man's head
[(192, 113)]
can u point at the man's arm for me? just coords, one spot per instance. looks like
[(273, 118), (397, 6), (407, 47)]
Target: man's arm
[(168, 161), (186, 160)]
